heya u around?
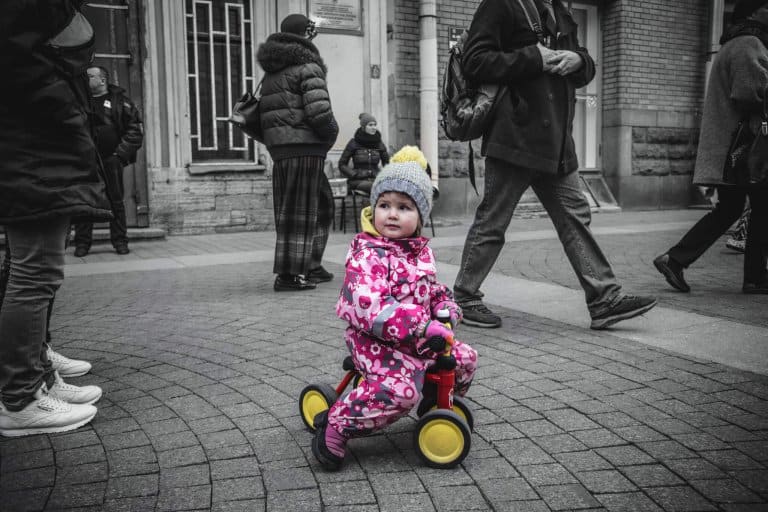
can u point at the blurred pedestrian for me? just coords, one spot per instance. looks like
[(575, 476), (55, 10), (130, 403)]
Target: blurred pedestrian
[(738, 239), (737, 84), (529, 143), (367, 152), (299, 129), (119, 135), (48, 176)]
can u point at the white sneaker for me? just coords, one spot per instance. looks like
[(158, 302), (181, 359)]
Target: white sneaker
[(68, 367), (74, 394), (44, 415)]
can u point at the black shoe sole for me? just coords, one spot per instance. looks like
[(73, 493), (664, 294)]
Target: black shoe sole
[(293, 289), (484, 325), (320, 279), (671, 277), (603, 323)]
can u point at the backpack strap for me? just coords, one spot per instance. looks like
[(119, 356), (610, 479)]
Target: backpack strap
[(532, 15)]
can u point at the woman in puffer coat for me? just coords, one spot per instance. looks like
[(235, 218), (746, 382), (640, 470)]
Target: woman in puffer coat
[(737, 86), (48, 176), (367, 152), (299, 128)]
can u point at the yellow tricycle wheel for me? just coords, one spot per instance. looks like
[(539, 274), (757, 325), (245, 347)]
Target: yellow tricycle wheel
[(460, 407), (315, 399), (442, 439)]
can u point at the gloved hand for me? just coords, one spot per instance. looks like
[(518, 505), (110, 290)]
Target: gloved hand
[(454, 311), (435, 338)]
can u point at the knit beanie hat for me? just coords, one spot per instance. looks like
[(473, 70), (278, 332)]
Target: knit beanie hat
[(408, 178), (295, 24), (745, 8), (366, 118)]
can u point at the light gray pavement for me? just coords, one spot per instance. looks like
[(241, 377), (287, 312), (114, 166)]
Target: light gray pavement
[(202, 364)]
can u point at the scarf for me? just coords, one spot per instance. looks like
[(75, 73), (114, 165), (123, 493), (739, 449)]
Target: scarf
[(746, 28), (367, 140)]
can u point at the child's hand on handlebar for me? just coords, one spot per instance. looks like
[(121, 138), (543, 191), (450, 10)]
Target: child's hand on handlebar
[(454, 312), (437, 336)]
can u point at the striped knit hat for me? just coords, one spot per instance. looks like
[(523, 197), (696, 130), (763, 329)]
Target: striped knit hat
[(408, 178)]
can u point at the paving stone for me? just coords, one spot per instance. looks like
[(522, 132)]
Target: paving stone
[(131, 486), (153, 415), (14, 445), (605, 481), (132, 461), (76, 439), (215, 440), (624, 455), (27, 460), (731, 460), (290, 478), (211, 425), (489, 468), (681, 498), (185, 476), (72, 496), (628, 502), (583, 461), (639, 433), (240, 506), (466, 497), (700, 441), (570, 420), (184, 498), (238, 489), (77, 456), (182, 439), (546, 474), (181, 457), (651, 475), (230, 452), (614, 419), (125, 440), (757, 480), (347, 493), (522, 451), (28, 479), (234, 468), (725, 491), (567, 497), (598, 437), (405, 503), (26, 499), (117, 426), (506, 490), (130, 504), (406, 482), (666, 450), (537, 428), (168, 426), (560, 443), (305, 500)]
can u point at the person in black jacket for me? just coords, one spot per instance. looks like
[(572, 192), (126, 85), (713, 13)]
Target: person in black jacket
[(529, 143), (299, 128), (48, 176), (367, 152), (119, 135)]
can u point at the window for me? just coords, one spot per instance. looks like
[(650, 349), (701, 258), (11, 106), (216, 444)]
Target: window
[(220, 68), (585, 122)]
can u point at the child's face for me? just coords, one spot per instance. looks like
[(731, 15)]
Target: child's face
[(395, 215)]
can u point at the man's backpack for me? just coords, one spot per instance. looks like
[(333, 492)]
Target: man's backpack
[(466, 110)]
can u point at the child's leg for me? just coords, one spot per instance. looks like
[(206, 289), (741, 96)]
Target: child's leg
[(390, 389), (466, 364)]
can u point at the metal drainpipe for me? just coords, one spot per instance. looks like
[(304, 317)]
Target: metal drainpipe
[(717, 7), (428, 90)]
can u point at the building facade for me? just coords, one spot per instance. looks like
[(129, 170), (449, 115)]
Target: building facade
[(185, 62)]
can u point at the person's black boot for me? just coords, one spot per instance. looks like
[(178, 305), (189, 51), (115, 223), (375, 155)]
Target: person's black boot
[(324, 456), (289, 283), (319, 275)]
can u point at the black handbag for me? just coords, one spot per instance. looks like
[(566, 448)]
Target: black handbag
[(757, 160), (246, 115)]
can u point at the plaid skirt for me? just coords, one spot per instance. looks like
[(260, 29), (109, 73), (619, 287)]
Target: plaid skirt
[(303, 202)]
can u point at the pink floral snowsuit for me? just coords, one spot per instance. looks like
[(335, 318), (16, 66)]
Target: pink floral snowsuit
[(390, 293)]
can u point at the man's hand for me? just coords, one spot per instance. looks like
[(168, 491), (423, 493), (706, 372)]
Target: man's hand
[(549, 58), (565, 62)]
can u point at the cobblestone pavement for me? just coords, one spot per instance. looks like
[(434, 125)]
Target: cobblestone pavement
[(202, 367)]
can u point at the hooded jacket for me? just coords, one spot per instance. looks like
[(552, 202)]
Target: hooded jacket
[(367, 152), (48, 160), (533, 121), (127, 121), (296, 114), (390, 290)]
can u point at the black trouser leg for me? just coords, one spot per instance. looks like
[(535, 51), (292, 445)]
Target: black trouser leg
[(756, 248)]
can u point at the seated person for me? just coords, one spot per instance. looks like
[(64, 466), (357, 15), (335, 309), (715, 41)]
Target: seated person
[(367, 151)]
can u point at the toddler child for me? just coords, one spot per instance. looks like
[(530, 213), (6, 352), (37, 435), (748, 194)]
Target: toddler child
[(390, 298)]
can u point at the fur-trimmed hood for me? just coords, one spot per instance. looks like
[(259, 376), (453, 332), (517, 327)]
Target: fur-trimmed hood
[(282, 50)]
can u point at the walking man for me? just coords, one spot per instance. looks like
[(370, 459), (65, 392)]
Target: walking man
[(119, 136), (529, 143)]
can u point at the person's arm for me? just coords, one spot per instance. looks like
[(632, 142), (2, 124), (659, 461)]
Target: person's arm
[(485, 61), (383, 154), (347, 170), (133, 134), (366, 301), (317, 102), (749, 76)]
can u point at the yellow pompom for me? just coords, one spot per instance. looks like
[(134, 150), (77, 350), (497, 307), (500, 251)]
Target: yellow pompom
[(410, 154)]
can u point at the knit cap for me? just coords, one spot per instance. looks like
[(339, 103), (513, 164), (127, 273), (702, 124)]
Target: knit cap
[(295, 24), (410, 154), (407, 178), (366, 118)]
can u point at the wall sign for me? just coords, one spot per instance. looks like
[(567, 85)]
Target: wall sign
[(337, 15)]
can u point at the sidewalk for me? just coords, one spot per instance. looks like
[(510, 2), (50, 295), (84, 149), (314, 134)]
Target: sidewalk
[(202, 364)]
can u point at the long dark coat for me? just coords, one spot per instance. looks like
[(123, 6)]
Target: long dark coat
[(296, 114), (737, 83), (48, 161), (533, 122)]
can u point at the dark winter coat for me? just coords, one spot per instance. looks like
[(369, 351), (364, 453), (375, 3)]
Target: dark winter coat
[(127, 121), (48, 161), (737, 83), (367, 152), (533, 122), (296, 115)]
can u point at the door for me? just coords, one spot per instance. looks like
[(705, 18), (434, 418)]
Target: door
[(116, 24)]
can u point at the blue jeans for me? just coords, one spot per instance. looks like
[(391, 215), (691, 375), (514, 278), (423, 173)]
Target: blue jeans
[(36, 272), (568, 208)]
